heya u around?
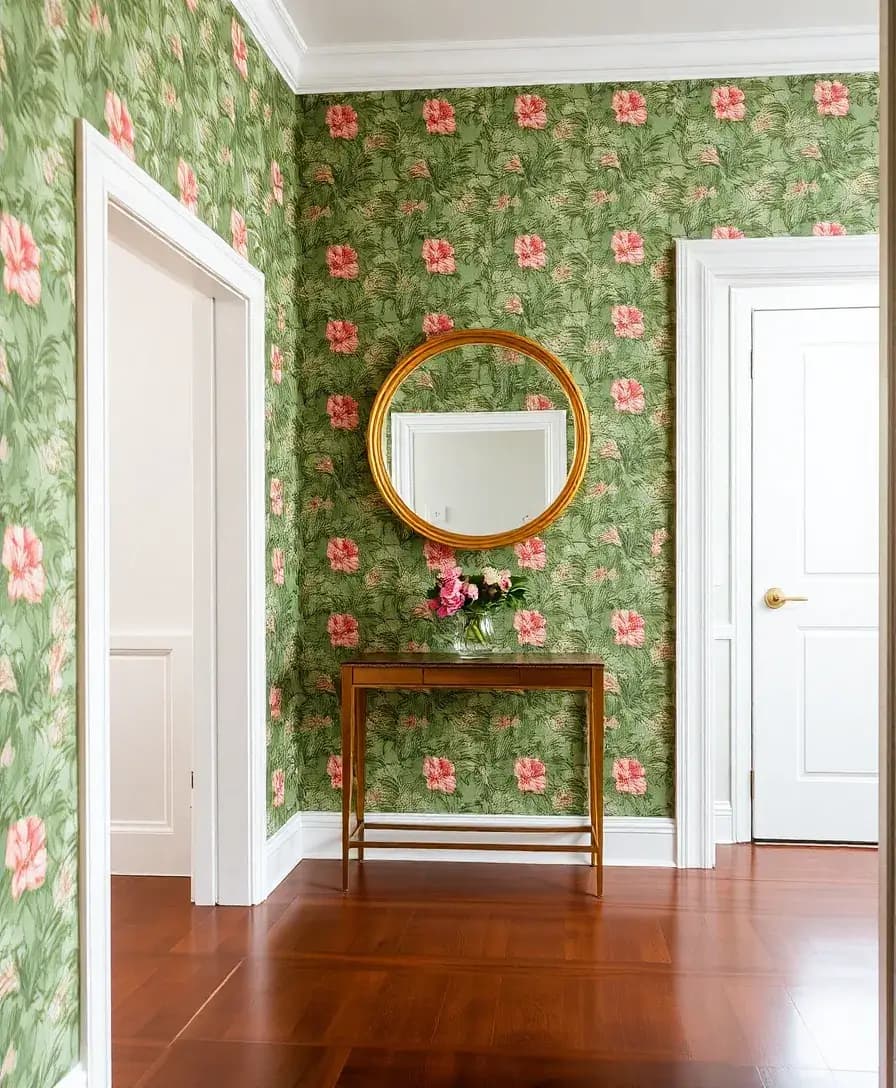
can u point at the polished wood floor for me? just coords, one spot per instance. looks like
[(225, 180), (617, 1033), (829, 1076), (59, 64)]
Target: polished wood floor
[(761, 974)]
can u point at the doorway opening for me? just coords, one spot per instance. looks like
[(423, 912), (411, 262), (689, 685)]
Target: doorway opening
[(218, 685)]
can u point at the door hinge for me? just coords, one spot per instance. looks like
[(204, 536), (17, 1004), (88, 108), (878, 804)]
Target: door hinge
[(752, 785), (191, 779)]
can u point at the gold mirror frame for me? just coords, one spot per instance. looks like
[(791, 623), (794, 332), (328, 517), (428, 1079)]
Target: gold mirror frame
[(436, 346)]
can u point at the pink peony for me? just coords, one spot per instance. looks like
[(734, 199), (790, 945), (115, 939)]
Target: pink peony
[(240, 52), (530, 251), (727, 232), (433, 324), (342, 554), (21, 260), (26, 854), (628, 322), (530, 774), (343, 630), (831, 98), (334, 770), (628, 247), (342, 122), (278, 787), (828, 230), (452, 596), (628, 395), (439, 774), (531, 554), (438, 256), (729, 103), (530, 627), (276, 181), (630, 776), (630, 107), (439, 116), (628, 628), (530, 110), (343, 337), (275, 702), (342, 262), (189, 190), (118, 121), (276, 494), (343, 412), (538, 402), (239, 233), (22, 556)]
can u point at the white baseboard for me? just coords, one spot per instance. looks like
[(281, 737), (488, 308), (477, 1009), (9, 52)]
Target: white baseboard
[(648, 841), (283, 852), (74, 1078), (724, 822)]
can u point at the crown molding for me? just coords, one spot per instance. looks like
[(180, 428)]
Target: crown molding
[(277, 35), (610, 58)]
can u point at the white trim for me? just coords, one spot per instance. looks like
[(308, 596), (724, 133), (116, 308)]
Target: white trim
[(719, 283), (724, 822), (283, 852), (74, 1078), (372, 66), (105, 179), (277, 35), (628, 840)]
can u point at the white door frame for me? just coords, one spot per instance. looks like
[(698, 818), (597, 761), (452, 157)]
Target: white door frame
[(719, 284), (232, 752)]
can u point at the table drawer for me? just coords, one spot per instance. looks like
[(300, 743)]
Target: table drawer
[(472, 676), (572, 679), (386, 676)]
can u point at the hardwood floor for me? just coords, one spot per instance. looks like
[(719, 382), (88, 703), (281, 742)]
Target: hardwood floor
[(760, 974)]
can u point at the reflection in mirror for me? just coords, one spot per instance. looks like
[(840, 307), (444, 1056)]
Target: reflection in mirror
[(479, 440)]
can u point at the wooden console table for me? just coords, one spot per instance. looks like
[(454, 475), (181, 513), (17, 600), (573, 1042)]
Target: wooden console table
[(504, 672)]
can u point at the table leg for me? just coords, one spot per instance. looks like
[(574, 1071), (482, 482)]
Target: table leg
[(347, 732), (359, 714), (596, 772)]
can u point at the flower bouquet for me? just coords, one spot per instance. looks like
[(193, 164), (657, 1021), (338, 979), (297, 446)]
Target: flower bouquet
[(472, 599)]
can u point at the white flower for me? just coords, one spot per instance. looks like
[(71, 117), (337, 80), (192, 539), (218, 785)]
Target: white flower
[(490, 576), (7, 679)]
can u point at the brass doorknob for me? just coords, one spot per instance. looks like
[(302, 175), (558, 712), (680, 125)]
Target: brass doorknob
[(776, 598)]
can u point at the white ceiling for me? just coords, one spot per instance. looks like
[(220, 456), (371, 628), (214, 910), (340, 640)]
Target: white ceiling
[(358, 45), (340, 22)]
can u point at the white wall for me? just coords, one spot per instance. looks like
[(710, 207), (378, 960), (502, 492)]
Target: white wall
[(160, 325)]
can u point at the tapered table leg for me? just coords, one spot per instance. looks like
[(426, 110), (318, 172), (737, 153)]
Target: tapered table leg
[(359, 715), (347, 738), (596, 773)]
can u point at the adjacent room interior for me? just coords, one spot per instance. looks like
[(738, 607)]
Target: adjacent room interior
[(440, 488)]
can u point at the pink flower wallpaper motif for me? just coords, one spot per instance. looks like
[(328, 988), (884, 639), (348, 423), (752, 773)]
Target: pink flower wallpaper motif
[(439, 774), (22, 556), (21, 260), (26, 855), (439, 116)]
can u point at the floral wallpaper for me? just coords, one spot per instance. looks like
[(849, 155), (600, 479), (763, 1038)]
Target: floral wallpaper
[(550, 211), (179, 87)]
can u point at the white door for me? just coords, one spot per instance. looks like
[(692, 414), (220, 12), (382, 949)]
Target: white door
[(815, 536), (160, 330)]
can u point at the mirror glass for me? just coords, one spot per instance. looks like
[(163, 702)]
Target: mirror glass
[(479, 439)]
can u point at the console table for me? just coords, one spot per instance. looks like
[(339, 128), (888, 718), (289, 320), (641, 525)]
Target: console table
[(503, 672)]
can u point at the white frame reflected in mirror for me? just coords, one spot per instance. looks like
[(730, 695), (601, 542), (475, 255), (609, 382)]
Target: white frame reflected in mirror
[(408, 428)]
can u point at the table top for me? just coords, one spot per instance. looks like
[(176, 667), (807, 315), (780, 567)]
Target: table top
[(528, 660)]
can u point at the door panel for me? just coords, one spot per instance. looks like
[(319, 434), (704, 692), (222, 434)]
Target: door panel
[(815, 535)]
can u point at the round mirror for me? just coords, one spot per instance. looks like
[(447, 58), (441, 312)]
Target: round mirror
[(478, 438)]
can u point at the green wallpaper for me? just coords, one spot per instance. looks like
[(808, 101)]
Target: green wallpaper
[(180, 88), (552, 212)]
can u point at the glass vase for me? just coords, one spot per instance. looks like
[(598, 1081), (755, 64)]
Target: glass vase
[(473, 634)]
